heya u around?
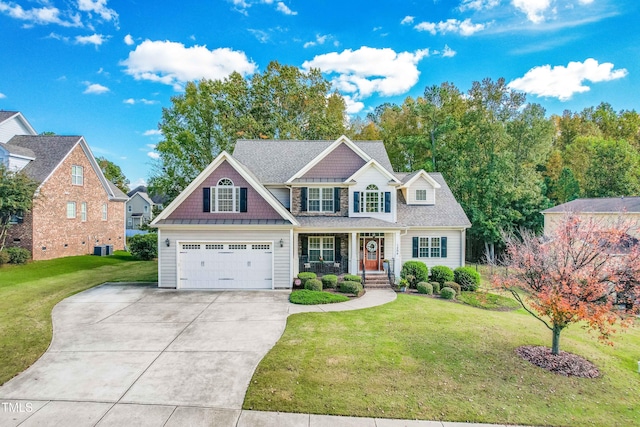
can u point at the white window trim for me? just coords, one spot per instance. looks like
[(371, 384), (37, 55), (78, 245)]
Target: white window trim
[(71, 210), (321, 199), (322, 249), (429, 247), (83, 212), (235, 197), (105, 212), (419, 199), (77, 178), (363, 200)]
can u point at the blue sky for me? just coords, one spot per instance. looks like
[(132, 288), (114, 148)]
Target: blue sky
[(105, 69)]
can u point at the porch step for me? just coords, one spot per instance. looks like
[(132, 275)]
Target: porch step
[(377, 281)]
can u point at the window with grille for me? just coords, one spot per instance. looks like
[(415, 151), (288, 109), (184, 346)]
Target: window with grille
[(77, 175), (214, 246), (421, 195), (71, 209), (429, 247), (227, 197), (321, 249)]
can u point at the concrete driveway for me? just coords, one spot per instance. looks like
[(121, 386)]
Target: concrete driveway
[(138, 355)]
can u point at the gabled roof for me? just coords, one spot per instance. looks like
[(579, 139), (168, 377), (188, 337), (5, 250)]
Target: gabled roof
[(7, 115), (276, 161), (19, 151), (446, 213), (412, 177), (139, 188), (373, 163), (50, 151), (143, 195), (614, 205), (243, 171)]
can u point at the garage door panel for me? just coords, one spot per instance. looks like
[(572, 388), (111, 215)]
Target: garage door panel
[(228, 265)]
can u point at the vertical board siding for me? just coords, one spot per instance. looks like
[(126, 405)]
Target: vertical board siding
[(168, 256), (454, 242)]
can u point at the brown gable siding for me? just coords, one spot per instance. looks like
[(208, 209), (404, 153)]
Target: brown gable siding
[(257, 207), (60, 235), (342, 162)]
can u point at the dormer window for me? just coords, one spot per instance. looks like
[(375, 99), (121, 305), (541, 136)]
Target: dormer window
[(77, 175), (421, 195), (372, 200), (225, 197)]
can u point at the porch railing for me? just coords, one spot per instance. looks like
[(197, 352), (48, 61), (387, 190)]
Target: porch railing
[(339, 266)]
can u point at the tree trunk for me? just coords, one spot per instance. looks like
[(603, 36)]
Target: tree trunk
[(555, 346)]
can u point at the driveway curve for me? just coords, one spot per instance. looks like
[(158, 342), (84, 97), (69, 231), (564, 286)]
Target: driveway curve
[(131, 354)]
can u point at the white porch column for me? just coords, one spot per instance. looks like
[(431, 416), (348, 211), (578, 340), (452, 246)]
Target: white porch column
[(397, 255), (294, 255), (353, 253)]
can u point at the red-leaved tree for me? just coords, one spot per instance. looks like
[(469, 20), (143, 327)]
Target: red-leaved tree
[(586, 270)]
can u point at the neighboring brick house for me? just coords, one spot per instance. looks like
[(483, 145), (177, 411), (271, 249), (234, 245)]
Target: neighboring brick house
[(256, 218), (74, 208)]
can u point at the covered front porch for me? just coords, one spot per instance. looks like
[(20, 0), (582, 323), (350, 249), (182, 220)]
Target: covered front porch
[(354, 252)]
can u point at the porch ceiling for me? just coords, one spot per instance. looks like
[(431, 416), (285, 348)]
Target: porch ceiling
[(343, 223)]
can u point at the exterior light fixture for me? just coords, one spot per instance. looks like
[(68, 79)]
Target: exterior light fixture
[(281, 243), (167, 242)]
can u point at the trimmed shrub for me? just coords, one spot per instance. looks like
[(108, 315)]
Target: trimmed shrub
[(441, 274), (144, 246), (424, 288), (352, 278), (4, 257), (417, 269), (18, 255), (447, 293), (454, 286), (348, 287), (436, 287), (467, 277), (306, 275), (329, 281), (313, 285)]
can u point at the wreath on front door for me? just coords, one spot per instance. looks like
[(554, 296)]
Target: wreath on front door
[(372, 246)]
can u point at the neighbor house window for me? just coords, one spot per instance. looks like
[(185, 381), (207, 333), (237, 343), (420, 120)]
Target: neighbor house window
[(83, 211), (146, 208), (321, 249), (129, 208), (429, 247), (77, 175), (320, 199), (227, 197), (421, 195), (104, 211), (129, 222), (71, 209)]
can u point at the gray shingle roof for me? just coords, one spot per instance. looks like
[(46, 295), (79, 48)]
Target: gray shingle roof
[(447, 212), (224, 222), (48, 152), (18, 151), (345, 222), (117, 193), (275, 161), (139, 188), (6, 115), (601, 205)]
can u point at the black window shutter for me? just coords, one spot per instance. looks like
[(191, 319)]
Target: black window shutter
[(336, 199), (415, 247), (305, 245), (387, 201), (206, 199), (356, 201), (443, 247), (243, 199), (303, 199), (336, 257)]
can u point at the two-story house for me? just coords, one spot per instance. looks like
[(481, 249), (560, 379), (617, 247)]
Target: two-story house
[(254, 219), (74, 206), (139, 208)]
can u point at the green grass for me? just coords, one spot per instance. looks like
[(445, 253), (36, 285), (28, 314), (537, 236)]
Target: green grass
[(307, 297), (424, 358), (29, 292), (488, 301)]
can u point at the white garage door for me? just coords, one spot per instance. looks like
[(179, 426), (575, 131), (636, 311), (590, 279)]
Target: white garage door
[(225, 265)]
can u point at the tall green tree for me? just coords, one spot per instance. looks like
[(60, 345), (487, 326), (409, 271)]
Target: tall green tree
[(113, 173), (16, 198)]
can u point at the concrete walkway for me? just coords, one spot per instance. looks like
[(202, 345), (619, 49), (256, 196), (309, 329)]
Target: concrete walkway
[(132, 355)]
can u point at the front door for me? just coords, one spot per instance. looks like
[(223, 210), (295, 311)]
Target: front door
[(372, 254)]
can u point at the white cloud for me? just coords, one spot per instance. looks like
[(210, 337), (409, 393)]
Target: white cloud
[(128, 40), (464, 28), (447, 52), (129, 101), (318, 41), (281, 7), (534, 9), (585, 1), (366, 71), (173, 64), (138, 182), (152, 132), (57, 36), (563, 82), (132, 101), (2, 95), (94, 39), (352, 106), (153, 155), (95, 89), (261, 35), (478, 4), (407, 20), (99, 7), (40, 15)]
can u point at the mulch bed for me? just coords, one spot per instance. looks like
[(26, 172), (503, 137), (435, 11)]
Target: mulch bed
[(567, 364)]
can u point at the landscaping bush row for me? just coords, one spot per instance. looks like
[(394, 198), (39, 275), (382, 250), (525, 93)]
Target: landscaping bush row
[(350, 284), (414, 273), (14, 256)]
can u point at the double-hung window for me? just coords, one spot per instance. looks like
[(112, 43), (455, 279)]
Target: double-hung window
[(227, 197), (105, 210), (320, 199), (321, 249), (71, 209), (421, 195), (83, 211), (429, 247), (77, 175)]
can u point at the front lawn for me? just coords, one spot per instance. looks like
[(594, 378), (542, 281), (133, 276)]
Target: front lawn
[(29, 292), (308, 297), (488, 301), (425, 358)]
